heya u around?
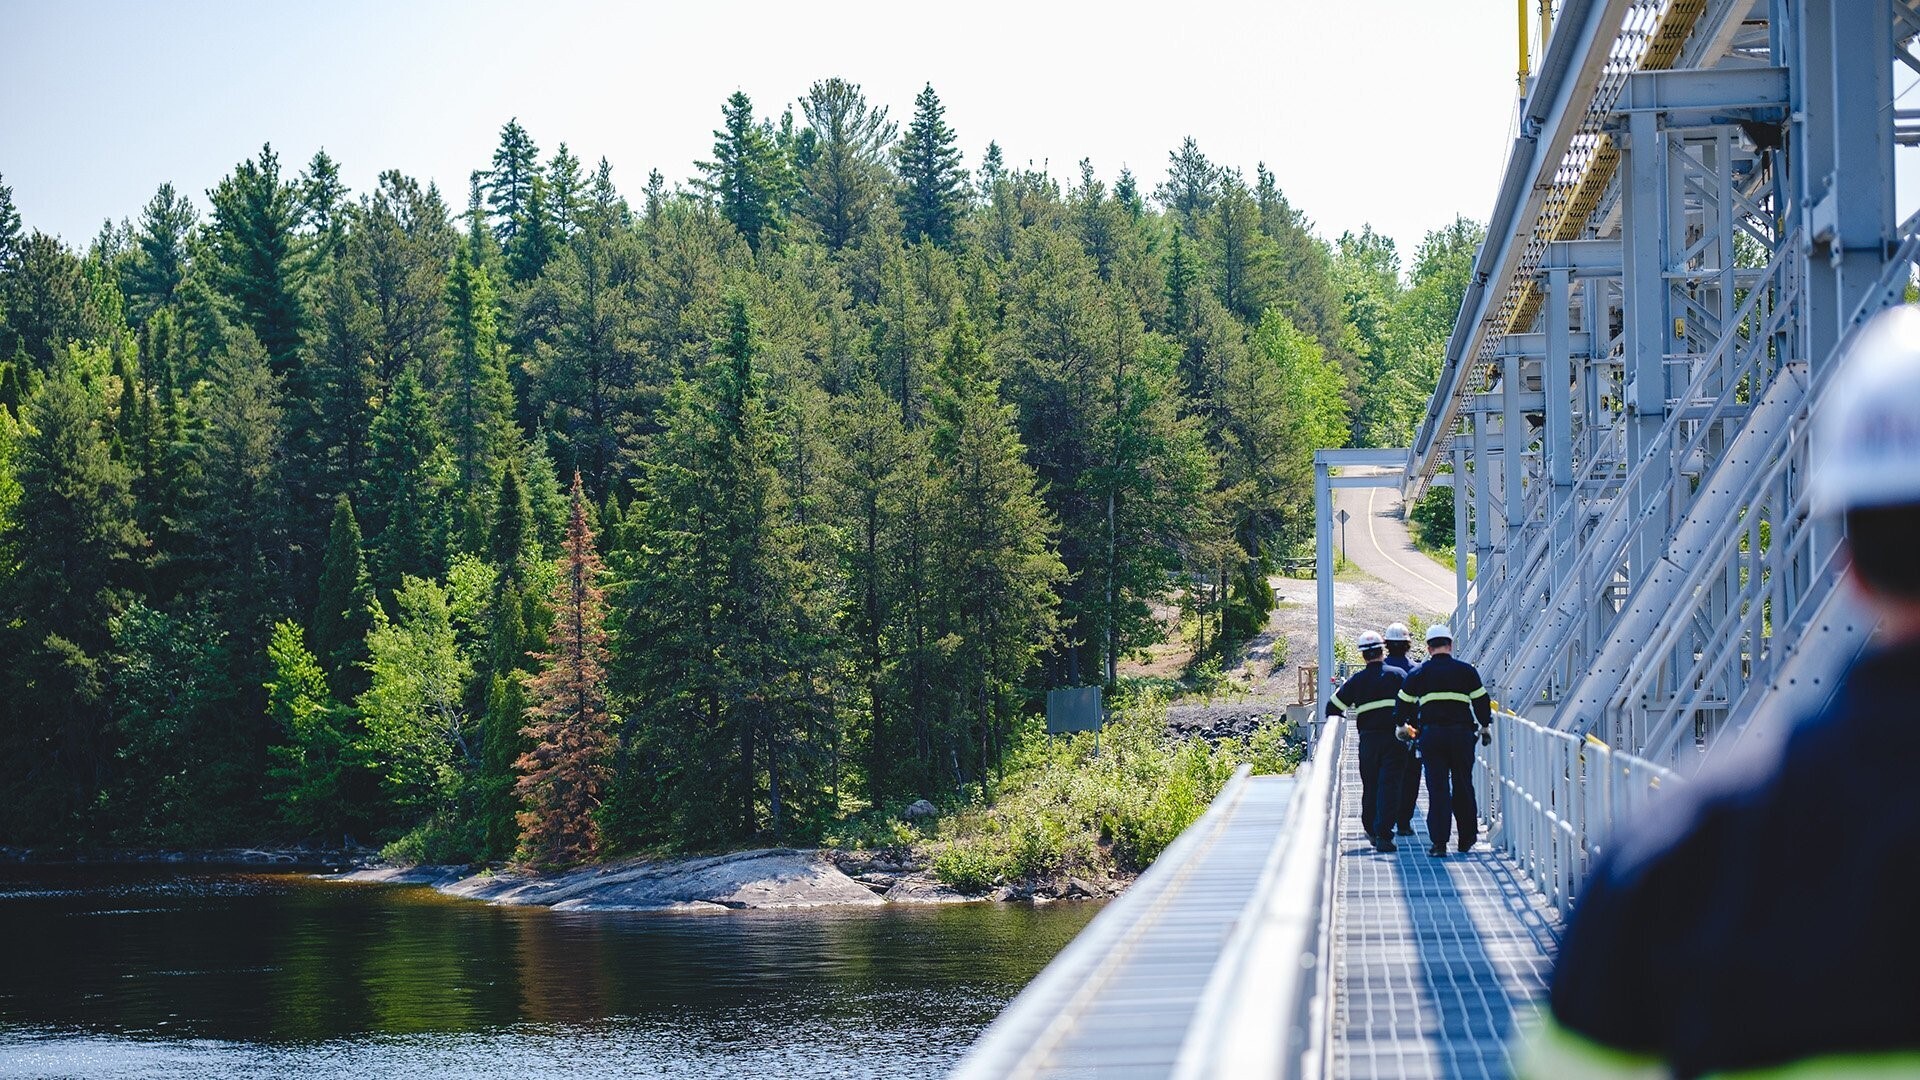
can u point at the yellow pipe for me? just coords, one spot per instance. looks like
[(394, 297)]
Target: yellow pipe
[(1525, 67)]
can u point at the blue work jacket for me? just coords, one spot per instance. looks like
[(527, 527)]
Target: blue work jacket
[(1372, 692), (1761, 917)]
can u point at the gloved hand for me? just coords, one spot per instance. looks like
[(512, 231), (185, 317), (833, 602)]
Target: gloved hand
[(1486, 736), (1406, 733)]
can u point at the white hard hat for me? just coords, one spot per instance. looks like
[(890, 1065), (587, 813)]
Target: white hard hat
[(1398, 632), (1370, 640), (1867, 431), (1439, 631)]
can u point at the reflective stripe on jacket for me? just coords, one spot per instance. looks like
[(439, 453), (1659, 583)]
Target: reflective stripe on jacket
[(1371, 695), (1442, 692)]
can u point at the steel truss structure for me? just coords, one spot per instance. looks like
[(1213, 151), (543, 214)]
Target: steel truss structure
[(1698, 212)]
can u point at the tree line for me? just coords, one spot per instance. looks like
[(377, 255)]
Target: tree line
[(573, 522)]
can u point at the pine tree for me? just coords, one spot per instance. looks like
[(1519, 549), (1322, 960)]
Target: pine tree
[(346, 609), (747, 178), (1191, 186), (566, 194), (238, 517), (255, 260), (478, 400), (323, 208), (43, 302), (510, 183), (847, 178), (160, 254), (994, 561), (534, 236), (68, 545), (565, 775), (723, 704), (397, 255), (405, 493), (933, 184), (9, 228)]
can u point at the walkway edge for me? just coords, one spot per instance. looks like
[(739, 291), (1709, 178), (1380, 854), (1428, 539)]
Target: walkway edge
[(1265, 1011), (1017, 1043)]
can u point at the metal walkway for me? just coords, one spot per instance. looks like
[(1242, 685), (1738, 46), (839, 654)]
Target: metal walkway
[(1120, 1001), (1437, 963)]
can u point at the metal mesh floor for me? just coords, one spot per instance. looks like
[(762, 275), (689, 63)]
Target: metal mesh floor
[(1437, 962)]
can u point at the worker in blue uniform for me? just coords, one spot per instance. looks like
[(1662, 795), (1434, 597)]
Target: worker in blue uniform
[(1444, 703), (1399, 644), (1759, 919), (1372, 694)]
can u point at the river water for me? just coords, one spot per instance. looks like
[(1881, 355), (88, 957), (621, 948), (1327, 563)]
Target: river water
[(115, 972)]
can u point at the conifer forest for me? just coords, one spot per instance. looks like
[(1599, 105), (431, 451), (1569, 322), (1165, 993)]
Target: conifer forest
[(556, 518)]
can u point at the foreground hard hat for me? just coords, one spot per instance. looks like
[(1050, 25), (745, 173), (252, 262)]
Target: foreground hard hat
[(1867, 430), (1398, 632), (1370, 640), (1439, 632)]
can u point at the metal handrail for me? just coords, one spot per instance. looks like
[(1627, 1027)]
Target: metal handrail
[(1265, 1010), (1553, 800)]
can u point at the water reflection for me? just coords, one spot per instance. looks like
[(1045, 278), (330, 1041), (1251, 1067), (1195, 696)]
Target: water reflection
[(137, 973)]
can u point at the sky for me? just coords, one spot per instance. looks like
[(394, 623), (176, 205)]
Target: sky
[(1394, 113)]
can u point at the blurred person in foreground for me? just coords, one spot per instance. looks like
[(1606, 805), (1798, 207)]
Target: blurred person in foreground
[(1761, 920)]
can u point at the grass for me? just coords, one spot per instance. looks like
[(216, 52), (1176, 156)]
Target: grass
[(1065, 809)]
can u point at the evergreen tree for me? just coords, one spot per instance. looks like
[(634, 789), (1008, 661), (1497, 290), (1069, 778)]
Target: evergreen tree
[(323, 207), (510, 183), (933, 184), (534, 236), (238, 517), (720, 702), (43, 303), (566, 193), (405, 494), (346, 610), (9, 228), (398, 253), (159, 260), (68, 546), (565, 774), (748, 176), (846, 180), (338, 388), (1243, 256), (254, 257), (994, 562), (478, 399), (1191, 186)]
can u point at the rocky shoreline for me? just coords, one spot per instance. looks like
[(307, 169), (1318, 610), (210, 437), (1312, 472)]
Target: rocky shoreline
[(760, 880)]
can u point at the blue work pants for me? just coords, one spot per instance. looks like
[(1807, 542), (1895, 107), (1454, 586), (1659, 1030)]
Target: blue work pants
[(1447, 751), (1382, 766), (1409, 786)]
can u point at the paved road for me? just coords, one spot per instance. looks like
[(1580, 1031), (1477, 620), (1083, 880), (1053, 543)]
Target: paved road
[(1377, 542)]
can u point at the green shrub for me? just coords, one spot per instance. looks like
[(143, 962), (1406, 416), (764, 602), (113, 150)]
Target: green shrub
[(1065, 808)]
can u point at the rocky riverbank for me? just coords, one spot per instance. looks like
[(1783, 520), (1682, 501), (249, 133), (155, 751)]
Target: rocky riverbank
[(763, 879)]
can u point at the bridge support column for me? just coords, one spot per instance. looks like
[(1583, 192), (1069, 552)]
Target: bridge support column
[(1556, 377), (1644, 324), (1843, 157), (1462, 540)]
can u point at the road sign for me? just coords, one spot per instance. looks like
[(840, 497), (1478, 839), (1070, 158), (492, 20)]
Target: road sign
[(1075, 708)]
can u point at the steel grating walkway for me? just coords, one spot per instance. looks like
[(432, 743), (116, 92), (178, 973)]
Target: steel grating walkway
[(1437, 962)]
